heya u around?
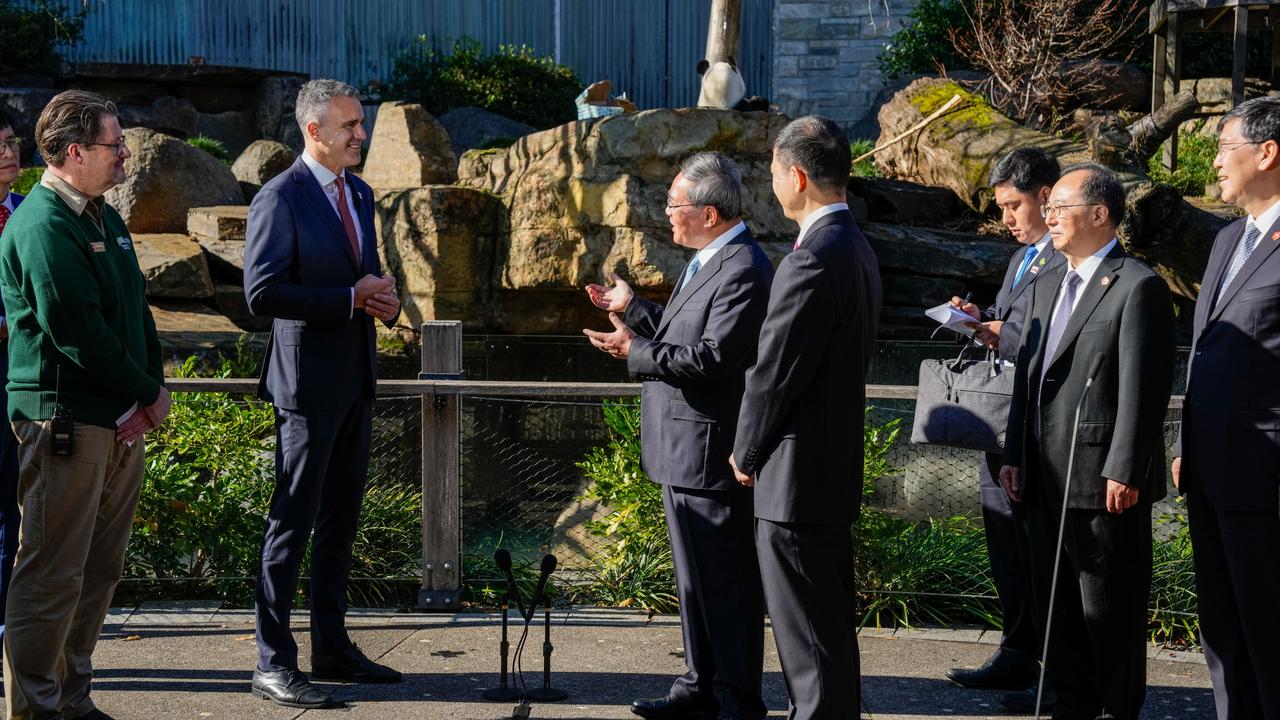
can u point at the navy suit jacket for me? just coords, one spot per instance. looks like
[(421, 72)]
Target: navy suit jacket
[(1011, 301), (1230, 437), (692, 356), (299, 269), (800, 427)]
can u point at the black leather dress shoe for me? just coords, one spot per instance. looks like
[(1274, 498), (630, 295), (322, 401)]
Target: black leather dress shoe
[(1024, 701), (669, 708), (290, 688), (95, 714), (1002, 671), (351, 665)]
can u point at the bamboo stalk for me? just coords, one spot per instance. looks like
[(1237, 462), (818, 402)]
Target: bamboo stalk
[(955, 100)]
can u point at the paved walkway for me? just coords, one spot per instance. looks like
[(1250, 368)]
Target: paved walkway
[(164, 661)]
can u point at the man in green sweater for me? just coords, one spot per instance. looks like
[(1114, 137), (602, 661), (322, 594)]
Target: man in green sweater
[(85, 382)]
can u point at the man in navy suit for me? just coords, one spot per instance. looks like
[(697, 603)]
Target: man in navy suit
[(311, 263), (692, 356), (9, 514), (1227, 460), (799, 437), (1022, 181)]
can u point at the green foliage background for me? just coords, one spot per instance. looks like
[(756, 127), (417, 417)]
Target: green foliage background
[(513, 81), (31, 35), (211, 146), (1195, 170)]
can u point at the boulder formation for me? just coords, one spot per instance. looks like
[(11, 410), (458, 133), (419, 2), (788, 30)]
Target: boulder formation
[(261, 161), (173, 265), (220, 232), (165, 177), (473, 127), (408, 149)]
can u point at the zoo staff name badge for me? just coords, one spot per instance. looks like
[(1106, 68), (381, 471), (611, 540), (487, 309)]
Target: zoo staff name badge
[(98, 246), (124, 242)]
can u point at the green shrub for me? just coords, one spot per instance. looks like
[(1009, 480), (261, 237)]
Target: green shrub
[(1173, 583), (512, 81), (1195, 170), (32, 34), (925, 43), (866, 168), (27, 179), (211, 146)]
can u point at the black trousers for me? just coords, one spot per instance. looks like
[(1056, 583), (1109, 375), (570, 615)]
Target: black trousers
[(1097, 649), (807, 571), (1237, 556), (721, 605), (10, 514), (1009, 548), (321, 463)]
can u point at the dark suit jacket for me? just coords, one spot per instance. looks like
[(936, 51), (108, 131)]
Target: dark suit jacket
[(1230, 439), (1126, 312), (800, 428), (1011, 302), (692, 357), (299, 269)]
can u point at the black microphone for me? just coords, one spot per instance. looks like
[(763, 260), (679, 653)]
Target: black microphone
[(548, 567), (1095, 366), (503, 558)]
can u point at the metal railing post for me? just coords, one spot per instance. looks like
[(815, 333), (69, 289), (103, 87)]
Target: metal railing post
[(441, 470)]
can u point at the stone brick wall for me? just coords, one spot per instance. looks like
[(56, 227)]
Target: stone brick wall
[(825, 54)]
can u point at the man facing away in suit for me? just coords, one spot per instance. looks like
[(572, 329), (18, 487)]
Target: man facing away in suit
[(1022, 181), (799, 438), (1100, 302), (311, 263), (692, 356), (10, 147), (1227, 460)]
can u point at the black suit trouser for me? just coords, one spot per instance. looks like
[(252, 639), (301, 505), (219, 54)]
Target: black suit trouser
[(1097, 651), (322, 459), (1009, 549), (721, 606), (1237, 556), (10, 513), (807, 569)]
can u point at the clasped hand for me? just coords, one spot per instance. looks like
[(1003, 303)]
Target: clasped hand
[(377, 296)]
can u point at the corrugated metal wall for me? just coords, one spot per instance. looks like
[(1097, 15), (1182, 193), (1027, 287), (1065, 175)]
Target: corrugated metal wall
[(648, 48)]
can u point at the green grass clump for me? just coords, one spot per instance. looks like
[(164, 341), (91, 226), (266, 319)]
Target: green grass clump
[(866, 168), (211, 146), (1195, 162)]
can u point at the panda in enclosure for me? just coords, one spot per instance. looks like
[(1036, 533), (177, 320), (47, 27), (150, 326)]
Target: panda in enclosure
[(723, 87)]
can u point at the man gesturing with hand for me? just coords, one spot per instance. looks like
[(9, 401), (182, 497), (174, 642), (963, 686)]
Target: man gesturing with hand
[(311, 263)]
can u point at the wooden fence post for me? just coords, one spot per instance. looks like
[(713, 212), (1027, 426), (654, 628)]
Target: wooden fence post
[(441, 470)]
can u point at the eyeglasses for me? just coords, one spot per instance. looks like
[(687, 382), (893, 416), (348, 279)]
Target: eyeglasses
[(13, 145), (673, 207), (1055, 211), (119, 146), (1224, 148)]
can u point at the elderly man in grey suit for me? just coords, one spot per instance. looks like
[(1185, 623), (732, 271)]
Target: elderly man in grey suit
[(692, 356), (799, 439), (1227, 461), (1101, 306)]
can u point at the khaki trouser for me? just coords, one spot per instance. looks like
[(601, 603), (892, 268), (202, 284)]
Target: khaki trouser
[(76, 516)]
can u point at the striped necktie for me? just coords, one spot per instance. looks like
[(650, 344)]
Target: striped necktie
[(1247, 244), (689, 272), (4, 217)]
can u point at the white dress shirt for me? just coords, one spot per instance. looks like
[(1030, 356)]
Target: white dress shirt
[(705, 254), (817, 215)]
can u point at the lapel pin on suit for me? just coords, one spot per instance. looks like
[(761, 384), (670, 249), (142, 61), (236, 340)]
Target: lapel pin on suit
[(1275, 236), (1105, 280)]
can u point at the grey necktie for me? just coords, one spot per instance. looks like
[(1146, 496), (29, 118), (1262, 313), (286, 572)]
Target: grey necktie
[(689, 272), (1247, 244), (1061, 316)]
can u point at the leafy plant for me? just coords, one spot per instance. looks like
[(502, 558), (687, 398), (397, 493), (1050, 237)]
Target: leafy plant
[(512, 81), (211, 146), (925, 44), (27, 179), (1173, 583), (866, 168), (1195, 170), (33, 31)]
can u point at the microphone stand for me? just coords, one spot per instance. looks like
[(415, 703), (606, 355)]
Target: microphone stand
[(1094, 366), (546, 693), (504, 692)]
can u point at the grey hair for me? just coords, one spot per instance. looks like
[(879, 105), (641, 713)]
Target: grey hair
[(715, 181), (1101, 187), (313, 100), (1259, 119)]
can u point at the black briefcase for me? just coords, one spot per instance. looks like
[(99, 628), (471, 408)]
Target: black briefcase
[(963, 403)]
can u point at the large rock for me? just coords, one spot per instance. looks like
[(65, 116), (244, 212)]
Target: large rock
[(408, 149), (473, 127), (235, 129), (273, 107), (164, 179), (24, 105), (441, 244), (169, 115), (261, 161), (906, 203), (939, 253), (188, 326), (230, 301), (173, 265), (220, 231)]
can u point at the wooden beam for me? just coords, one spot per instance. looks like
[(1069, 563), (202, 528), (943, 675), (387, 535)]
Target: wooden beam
[(1238, 48), (722, 31), (1172, 79), (441, 471)]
